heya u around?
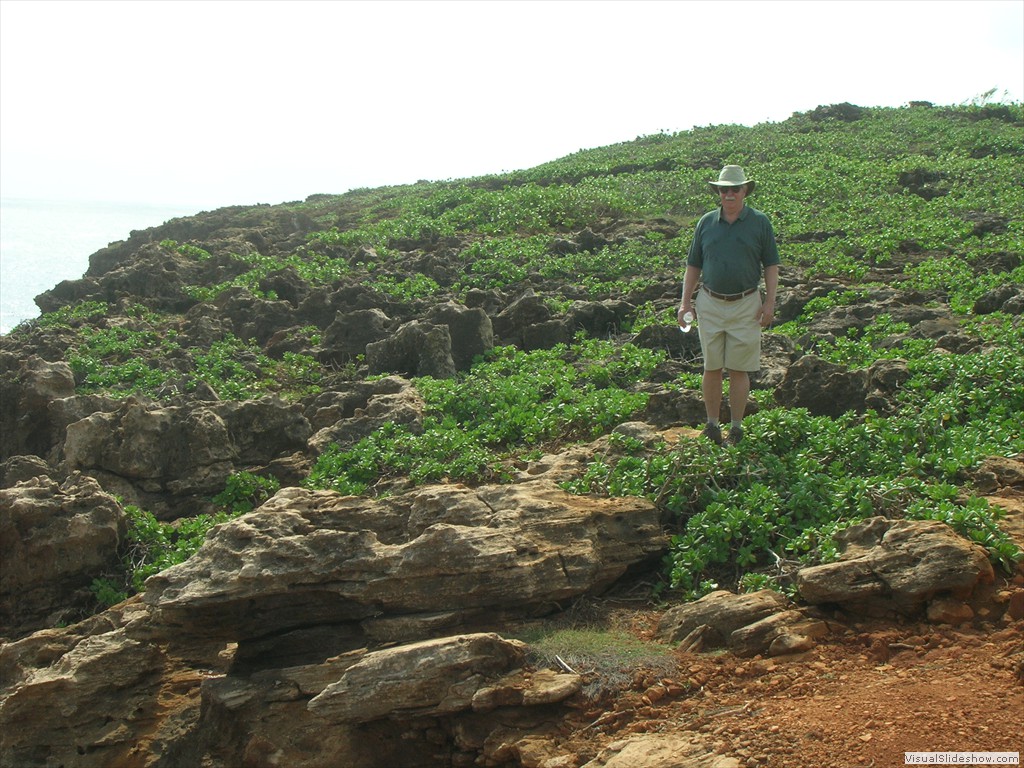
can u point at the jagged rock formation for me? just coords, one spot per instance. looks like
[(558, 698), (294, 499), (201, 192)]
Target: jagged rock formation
[(259, 640)]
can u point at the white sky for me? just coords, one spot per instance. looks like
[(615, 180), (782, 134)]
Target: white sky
[(220, 103)]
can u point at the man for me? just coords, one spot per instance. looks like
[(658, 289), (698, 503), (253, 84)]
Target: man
[(731, 249)]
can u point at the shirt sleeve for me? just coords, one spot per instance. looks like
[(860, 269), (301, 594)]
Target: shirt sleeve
[(695, 258)]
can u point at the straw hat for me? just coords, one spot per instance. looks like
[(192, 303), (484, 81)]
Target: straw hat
[(732, 176)]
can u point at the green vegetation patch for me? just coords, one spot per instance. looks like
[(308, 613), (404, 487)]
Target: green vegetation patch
[(152, 546), (512, 401), (798, 479)]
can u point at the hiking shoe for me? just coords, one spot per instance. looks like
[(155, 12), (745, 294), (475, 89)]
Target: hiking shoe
[(735, 435), (712, 432)]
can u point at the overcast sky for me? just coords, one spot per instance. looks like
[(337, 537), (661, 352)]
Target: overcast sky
[(220, 103)]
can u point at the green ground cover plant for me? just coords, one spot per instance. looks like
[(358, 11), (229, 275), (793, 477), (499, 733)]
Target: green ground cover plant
[(121, 360), (152, 546), (505, 405), (797, 479)]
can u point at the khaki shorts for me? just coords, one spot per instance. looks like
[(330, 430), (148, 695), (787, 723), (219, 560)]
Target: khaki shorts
[(730, 334)]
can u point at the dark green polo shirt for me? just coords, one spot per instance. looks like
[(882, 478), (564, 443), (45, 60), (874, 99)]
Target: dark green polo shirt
[(731, 257)]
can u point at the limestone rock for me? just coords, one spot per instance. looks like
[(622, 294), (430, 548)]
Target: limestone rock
[(528, 310), (18, 469), (777, 634), (415, 349), (722, 612), (308, 557), (823, 388), (88, 708), (344, 418), (27, 387), (655, 750), (54, 540), (946, 610), (432, 677), (896, 565), (144, 447), (470, 331), (351, 332)]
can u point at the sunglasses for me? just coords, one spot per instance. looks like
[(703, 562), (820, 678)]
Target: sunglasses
[(723, 190)]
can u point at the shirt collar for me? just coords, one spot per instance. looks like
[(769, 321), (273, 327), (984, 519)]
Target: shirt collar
[(743, 213)]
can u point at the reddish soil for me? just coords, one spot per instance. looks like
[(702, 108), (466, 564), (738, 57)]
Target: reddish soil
[(867, 694)]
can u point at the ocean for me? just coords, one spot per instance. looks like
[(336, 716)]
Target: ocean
[(43, 242)]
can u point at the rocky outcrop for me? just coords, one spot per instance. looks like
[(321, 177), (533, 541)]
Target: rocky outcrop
[(443, 554), (26, 390), (762, 622), (172, 458), (436, 677), (896, 566), (54, 540), (324, 629)]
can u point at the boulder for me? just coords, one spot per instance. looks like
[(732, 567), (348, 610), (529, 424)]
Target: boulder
[(27, 387), (885, 377), (528, 310), (181, 451), (545, 335), (431, 677), (348, 336), (416, 349), (778, 634), (252, 317), (722, 612), (667, 407), (54, 540), (316, 557), (668, 337), (600, 318), (823, 388), (470, 331), (896, 566)]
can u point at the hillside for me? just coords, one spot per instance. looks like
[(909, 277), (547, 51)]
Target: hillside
[(418, 463)]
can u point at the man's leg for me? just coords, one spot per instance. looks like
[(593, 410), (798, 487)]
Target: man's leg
[(711, 389), (739, 393)]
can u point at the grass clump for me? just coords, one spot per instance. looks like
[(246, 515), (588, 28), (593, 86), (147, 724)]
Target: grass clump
[(610, 659)]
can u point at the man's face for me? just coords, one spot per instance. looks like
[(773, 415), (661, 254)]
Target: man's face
[(732, 197)]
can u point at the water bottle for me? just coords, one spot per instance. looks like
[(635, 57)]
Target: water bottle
[(687, 322)]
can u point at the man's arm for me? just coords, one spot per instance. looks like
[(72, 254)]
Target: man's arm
[(771, 285), (689, 286)]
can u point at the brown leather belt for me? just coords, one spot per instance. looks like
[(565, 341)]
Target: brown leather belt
[(727, 296)]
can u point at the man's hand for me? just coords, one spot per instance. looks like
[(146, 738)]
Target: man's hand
[(683, 309), (766, 314)]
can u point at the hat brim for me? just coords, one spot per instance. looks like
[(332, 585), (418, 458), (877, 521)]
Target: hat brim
[(748, 184)]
